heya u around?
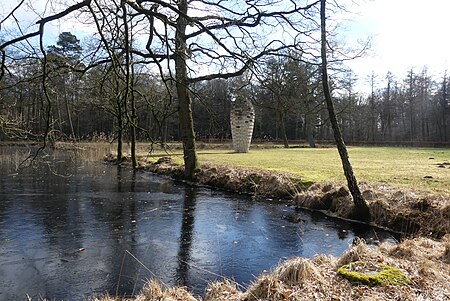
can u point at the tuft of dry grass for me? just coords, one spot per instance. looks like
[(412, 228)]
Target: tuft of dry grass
[(446, 254), (296, 271), (359, 252), (225, 290), (267, 287), (153, 291)]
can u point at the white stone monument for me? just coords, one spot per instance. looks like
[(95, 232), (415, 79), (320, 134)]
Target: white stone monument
[(242, 121)]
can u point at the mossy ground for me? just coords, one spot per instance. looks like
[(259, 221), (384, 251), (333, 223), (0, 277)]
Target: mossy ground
[(368, 273)]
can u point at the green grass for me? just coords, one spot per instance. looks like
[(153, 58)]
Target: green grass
[(393, 166)]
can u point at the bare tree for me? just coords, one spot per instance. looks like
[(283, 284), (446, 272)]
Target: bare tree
[(194, 41), (41, 23), (276, 80), (361, 210), (372, 110), (210, 40), (63, 58), (444, 105)]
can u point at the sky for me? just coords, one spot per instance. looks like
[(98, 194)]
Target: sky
[(405, 34)]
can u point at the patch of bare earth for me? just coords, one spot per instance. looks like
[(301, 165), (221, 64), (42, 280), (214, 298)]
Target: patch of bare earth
[(423, 261)]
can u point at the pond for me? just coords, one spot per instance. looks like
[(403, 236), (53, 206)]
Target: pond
[(72, 226)]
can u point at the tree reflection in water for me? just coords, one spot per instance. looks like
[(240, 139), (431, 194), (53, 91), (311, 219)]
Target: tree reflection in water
[(187, 227)]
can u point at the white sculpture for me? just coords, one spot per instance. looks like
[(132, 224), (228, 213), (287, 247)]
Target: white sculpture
[(242, 121)]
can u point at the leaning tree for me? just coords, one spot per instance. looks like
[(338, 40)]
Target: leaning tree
[(361, 210)]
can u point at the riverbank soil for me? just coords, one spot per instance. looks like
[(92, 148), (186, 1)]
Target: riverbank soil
[(401, 210)]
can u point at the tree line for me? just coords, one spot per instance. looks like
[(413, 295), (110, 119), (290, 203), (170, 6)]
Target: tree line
[(286, 93)]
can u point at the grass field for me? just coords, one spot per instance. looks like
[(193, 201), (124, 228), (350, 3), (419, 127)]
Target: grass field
[(411, 167), (393, 166)]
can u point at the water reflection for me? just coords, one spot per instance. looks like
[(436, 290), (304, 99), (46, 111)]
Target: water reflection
[(107, 229), (187, 226)]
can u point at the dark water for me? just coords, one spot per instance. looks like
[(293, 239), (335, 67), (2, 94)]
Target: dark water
[(71, 228)]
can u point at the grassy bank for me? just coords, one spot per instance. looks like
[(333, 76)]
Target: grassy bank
[(408, 167), (418, 168)]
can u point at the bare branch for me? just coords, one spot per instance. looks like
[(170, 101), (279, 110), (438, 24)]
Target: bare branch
[(12, 12)]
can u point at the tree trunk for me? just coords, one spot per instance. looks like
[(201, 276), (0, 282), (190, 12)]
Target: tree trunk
[(411, 107), (308, 124), (119, 144), (163, 131), (389, 110), (444, 107), (133, 142), (283, 131), (66, 102), (311, 141), (372, 110), (133, 124), (129, 93), (361, 210), (119, 132), (184, 100), (58, 108)]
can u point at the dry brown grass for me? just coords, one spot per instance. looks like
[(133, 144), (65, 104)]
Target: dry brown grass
[(422, 260), (268, 287), (446, 255), (428, 273), (406, 211), (295, 271), (259, 183), (222, 291), (153, 291)]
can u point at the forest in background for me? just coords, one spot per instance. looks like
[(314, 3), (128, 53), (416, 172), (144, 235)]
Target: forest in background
[(285, 91)]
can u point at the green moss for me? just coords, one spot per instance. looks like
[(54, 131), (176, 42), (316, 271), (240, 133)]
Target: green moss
[(361, 272)]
